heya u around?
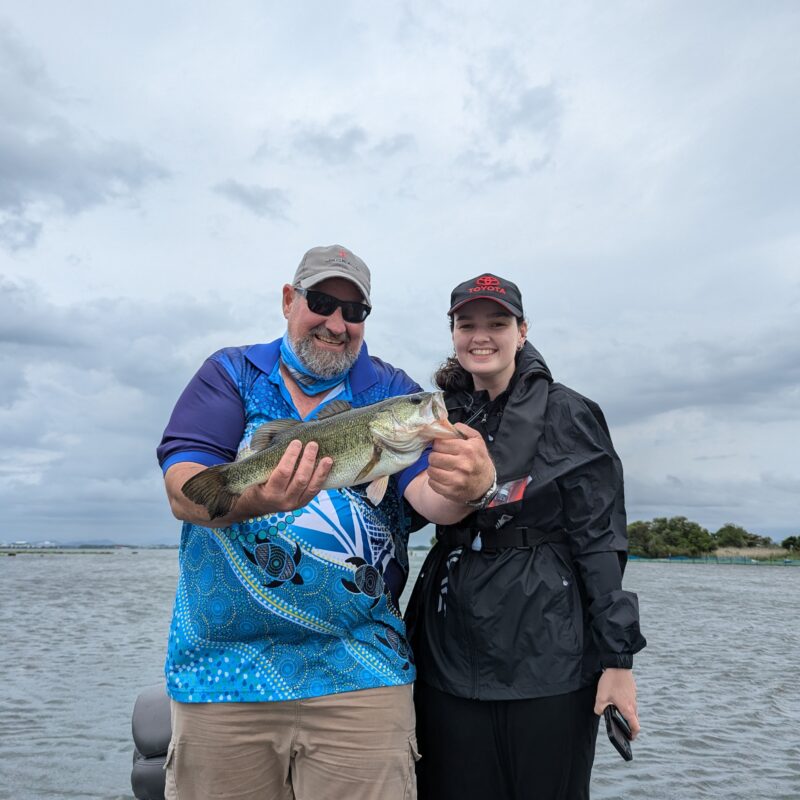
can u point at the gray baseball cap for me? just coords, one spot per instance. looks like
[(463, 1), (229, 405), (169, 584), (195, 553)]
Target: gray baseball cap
[(333, 261)]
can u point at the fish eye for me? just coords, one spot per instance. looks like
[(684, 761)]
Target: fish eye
[(416, 400)]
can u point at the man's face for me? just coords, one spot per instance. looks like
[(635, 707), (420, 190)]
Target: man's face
[(328, 346)]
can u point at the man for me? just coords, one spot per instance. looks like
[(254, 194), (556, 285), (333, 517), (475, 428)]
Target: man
[(298, 688)]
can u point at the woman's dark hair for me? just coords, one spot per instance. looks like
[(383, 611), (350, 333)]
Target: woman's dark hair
[(451, 376)]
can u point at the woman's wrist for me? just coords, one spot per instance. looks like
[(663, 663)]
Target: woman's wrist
[(487, 496)]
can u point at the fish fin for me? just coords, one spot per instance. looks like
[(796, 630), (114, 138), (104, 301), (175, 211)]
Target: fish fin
[(350, 586), (357, 560), (209, 488), (244, 453), (377, 489), (334, 407), (274, 584), (297, 578), (371, 464), (264, 435)]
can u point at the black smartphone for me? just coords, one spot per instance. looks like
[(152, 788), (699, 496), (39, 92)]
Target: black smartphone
[(619, 732)]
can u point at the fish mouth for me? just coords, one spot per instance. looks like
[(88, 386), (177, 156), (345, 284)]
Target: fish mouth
[(439, 426)]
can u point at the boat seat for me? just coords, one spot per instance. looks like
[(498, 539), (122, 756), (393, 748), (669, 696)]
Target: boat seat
[(152, 730)]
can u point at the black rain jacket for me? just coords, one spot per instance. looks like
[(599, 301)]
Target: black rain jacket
[(540, 609)]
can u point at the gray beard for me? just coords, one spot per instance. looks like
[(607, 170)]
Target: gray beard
[(324, 363)]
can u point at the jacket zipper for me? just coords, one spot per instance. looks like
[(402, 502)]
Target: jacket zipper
[(466, 562)]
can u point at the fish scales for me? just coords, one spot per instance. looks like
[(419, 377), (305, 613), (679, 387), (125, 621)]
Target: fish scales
[(366, 444), (345, 437)]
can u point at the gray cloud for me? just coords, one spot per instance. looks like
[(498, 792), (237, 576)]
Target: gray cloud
[(752, 374), (536, 109), (329, 144), (482, 166), (713, 503), (521, 116), (17, 233), (263, 201), (654, 359), (48, 164), (394, 144), (340, 141), (85, 392)]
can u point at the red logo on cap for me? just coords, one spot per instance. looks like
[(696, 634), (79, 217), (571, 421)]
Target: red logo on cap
[(487, 283), (343, 254)]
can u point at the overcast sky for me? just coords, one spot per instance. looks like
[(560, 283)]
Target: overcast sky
[(633, 166)]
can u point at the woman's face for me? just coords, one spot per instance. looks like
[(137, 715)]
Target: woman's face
[(486, 339)]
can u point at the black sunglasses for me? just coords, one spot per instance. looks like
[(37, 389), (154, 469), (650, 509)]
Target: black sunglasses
[(324, 305)]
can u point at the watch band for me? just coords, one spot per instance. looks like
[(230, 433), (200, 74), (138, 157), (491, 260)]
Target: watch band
[(485, 498)]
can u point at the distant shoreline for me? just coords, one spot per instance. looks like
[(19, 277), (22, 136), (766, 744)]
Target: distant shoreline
[(721, 561), (101, 550), (738, 560)]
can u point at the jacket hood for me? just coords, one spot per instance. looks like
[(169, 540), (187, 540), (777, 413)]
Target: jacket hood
[(531, 363), (517, 438)]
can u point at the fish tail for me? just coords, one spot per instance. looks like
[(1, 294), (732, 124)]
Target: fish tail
[(209, 488)]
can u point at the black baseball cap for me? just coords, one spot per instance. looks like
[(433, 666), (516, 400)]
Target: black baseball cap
[(488, 287)]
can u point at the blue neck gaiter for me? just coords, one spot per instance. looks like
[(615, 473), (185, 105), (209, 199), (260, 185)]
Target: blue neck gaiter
[(309, 382)]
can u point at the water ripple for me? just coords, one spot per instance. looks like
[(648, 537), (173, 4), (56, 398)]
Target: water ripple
[(718, 692)]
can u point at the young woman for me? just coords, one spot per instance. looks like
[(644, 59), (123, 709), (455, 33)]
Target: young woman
[(519, 623)]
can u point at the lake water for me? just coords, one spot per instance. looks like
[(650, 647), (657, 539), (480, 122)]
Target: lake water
[(719, 691)]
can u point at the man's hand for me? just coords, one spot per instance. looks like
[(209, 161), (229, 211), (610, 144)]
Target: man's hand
[(296, 480), (460, 469), (617, 687)]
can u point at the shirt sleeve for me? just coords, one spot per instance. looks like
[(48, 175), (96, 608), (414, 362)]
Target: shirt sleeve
[(207, 422), (594, 509)]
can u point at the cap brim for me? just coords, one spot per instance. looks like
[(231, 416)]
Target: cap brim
[(318, 277), (514, 310)]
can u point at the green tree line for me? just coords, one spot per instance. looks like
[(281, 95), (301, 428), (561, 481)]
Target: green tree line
[(679, 536)]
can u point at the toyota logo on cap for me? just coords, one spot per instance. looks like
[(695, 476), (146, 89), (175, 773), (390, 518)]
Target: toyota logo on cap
[(488, 287)]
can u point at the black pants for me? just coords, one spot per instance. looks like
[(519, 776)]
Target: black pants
[(539, 749)]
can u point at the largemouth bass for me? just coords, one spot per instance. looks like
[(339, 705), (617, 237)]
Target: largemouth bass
[(367, 445)]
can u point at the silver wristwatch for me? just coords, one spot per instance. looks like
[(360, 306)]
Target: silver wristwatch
[(486, 498)]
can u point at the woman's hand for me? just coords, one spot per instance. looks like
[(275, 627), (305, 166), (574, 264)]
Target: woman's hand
[(617, 687), (460, 469)]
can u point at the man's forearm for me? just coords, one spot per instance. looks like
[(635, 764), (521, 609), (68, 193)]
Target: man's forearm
[(187, 511)]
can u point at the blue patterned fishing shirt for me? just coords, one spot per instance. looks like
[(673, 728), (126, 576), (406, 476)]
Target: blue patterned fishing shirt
[(270, 608)]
